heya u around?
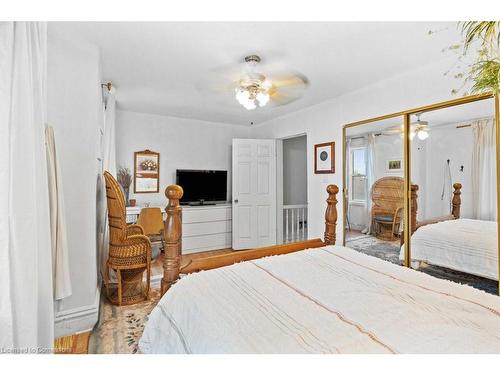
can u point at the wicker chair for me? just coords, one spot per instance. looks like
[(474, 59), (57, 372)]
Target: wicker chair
[(129, 251), (387, 208)]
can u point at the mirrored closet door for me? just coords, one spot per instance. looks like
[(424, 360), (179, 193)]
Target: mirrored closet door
[(421, 189), (374, 187), (454, 193)]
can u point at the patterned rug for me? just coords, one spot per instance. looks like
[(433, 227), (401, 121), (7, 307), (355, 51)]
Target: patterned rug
[(389, 251), (120, 328)]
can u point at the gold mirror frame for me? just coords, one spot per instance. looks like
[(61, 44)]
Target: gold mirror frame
[(407, 162)]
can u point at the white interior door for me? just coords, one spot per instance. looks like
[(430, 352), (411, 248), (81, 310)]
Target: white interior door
[(254, 193)]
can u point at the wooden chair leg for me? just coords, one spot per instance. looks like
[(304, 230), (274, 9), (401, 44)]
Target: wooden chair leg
[(119, 277)]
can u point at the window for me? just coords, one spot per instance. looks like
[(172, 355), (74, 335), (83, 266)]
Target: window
[(358, 174)]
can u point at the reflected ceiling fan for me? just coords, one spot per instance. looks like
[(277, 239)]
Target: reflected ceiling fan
[(254, 84), (420, 128)]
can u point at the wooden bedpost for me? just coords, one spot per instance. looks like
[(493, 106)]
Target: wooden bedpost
[(414, 207), (173, 234), (331, 215), (456, 200)]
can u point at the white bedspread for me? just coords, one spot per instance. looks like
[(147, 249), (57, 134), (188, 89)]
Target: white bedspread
[(464, 245), (327, 300)]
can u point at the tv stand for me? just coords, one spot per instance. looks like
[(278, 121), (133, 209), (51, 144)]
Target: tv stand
[(206, 226), (201, 203)]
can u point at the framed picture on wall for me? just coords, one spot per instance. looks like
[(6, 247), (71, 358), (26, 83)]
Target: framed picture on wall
[(394, 165), (146, 172), (324, 158)]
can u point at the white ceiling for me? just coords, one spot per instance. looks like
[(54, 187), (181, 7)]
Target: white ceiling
[(158, 67)]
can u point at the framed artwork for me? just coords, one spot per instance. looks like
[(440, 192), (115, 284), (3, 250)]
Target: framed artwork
[(146, 172), (394, 165), (324, 158)]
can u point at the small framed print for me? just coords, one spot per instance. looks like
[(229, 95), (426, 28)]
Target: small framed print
[(394, 165), (146, 172), (324, 158)]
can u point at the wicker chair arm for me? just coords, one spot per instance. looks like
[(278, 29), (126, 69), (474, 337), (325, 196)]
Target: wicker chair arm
[(134, 229), (396, 212)]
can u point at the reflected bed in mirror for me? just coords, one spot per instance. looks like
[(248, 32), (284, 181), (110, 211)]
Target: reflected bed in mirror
[(457, 150)]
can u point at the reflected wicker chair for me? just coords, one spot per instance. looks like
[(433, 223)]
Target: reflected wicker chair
[(387, 207), (129, 251)]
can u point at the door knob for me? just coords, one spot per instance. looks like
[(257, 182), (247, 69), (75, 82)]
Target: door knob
[(236, 201)]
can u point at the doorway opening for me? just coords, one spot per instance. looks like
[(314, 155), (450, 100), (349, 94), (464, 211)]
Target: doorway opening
[(292, 189)]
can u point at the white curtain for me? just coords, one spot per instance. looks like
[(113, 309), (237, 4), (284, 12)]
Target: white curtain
[(109, 164), (370, 178), (484, 171), (26, 290), (60, 251)]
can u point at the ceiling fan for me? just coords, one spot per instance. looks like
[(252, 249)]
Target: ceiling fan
[(420, 128), (254, 84)]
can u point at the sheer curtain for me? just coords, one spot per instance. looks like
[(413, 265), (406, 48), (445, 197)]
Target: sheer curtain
[(370, 178), (484, 171), (109, 164), (26, 290), (59, 240)]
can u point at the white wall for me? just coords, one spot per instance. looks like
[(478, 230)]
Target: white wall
[(182, 144), (323, 123), (444, 143), (295, 170), (75, 112), (387, 147)]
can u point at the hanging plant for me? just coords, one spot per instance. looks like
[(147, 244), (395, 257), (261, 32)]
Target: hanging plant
[(485, 71)]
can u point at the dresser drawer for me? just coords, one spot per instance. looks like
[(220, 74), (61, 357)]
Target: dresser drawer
[(201, 215), (207, 242), (209, 227)]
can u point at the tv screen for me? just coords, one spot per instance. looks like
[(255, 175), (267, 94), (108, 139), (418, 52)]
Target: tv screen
[(202, 185)]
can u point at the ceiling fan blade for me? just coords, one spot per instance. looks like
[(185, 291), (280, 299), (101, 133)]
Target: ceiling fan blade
[(291, 80), (281, 99)]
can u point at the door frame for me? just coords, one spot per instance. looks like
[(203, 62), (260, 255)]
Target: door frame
[(279, 182)]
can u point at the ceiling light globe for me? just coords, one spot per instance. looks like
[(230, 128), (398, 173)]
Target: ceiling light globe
[(412, 135), (262, 98), (242, 96), (249, 105), (422, 135)]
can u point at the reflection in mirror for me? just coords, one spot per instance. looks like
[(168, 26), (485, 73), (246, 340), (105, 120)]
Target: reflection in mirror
[(374, 187), (454, 210)]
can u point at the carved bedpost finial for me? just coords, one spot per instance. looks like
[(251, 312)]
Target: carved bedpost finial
[(414, 207), (331, 215), (173, 234), (456, 200)]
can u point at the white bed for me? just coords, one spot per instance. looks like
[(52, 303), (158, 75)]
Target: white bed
[(464, 245), (325, 300)]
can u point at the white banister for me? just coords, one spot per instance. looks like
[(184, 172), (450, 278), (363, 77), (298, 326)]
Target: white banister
[(295, 221)]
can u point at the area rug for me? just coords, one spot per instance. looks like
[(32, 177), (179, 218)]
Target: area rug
[(389, 251), (120, 327)]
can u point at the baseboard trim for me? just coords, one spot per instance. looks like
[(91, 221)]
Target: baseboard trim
[(81, 319)]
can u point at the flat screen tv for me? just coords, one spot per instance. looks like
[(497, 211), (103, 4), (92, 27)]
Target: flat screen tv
[(202, 186)]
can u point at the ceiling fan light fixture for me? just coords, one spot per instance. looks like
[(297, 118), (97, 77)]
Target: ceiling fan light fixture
[(262, 98), (422, 134), (249, 105)]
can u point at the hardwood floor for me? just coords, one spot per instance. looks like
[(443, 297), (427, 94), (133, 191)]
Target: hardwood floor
[(74, 344)]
